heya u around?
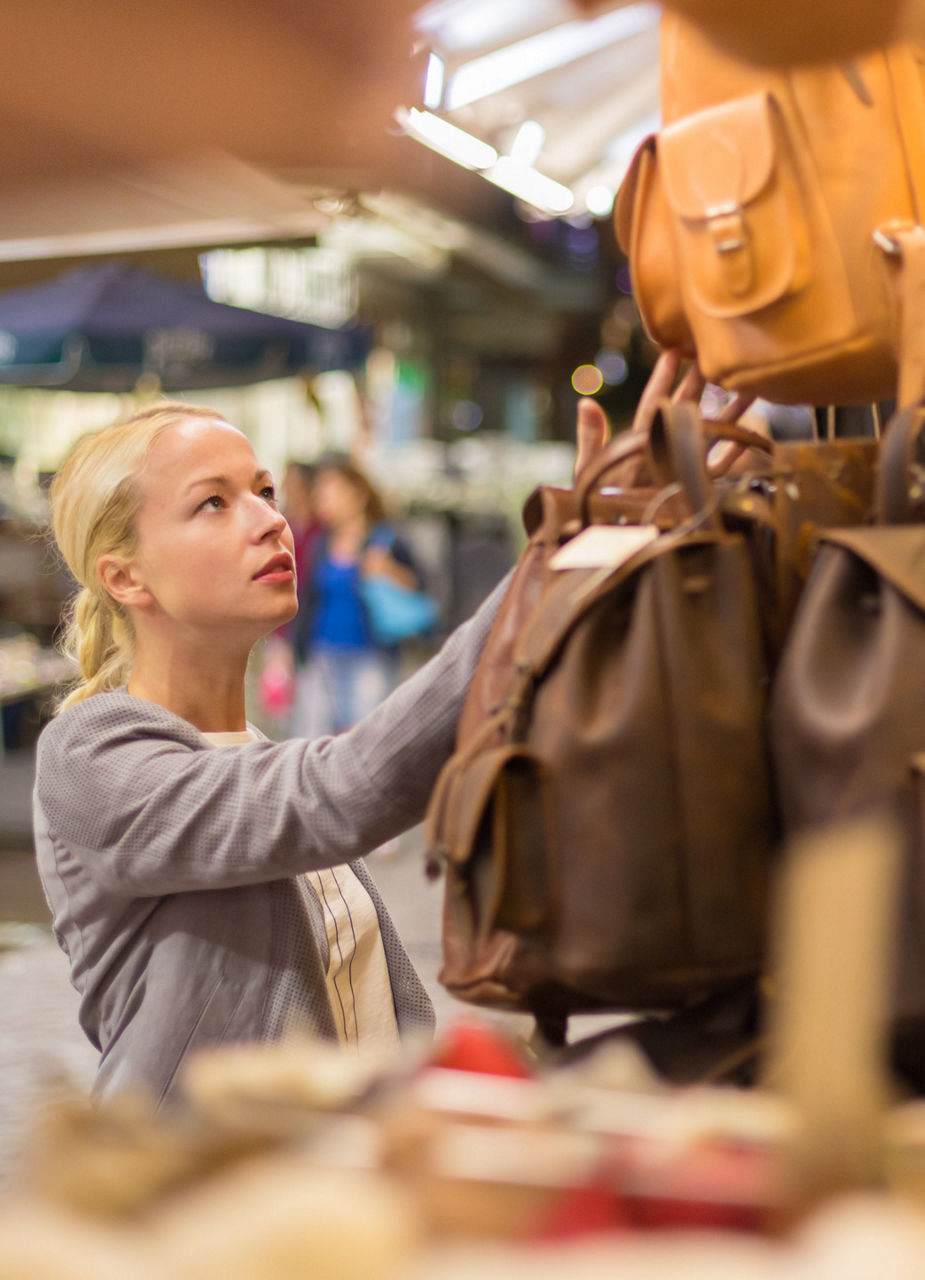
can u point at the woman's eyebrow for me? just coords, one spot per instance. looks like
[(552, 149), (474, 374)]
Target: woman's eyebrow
[(224, 482)]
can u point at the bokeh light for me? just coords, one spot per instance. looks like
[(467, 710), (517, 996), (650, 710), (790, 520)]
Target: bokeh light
[(587, 380), (613, 366), (466, 415)]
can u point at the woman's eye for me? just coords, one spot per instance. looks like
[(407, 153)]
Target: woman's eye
[(269, 493), (214, 502)]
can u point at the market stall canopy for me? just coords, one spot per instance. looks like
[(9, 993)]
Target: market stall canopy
[(101, 328)]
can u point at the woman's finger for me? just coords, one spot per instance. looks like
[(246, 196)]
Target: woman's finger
[(691, 386), (591, 432), (738, 405), (661, 380)]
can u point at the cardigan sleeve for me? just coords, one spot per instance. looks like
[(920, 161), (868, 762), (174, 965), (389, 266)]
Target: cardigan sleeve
[(148, 807)]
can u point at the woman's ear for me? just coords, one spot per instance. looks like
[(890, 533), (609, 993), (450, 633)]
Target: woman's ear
[(121, 580)]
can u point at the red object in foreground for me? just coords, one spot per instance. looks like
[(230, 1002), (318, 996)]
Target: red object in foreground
[(580, 1211), (471, 1045)]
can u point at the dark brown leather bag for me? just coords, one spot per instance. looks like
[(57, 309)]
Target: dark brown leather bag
[(848, 711), (552, 516), (809, 486), (848, 706), (606, 820)]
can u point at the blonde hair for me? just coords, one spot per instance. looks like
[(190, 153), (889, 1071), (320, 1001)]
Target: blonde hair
[(95, 497)]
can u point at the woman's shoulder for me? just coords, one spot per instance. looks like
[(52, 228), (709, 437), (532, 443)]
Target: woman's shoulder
[(115, 715)]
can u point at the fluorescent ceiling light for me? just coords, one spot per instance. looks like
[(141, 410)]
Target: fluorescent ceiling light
[(458, 26), (528, 142), (545, 51), (530, 185), (433, 81), (445, 138)]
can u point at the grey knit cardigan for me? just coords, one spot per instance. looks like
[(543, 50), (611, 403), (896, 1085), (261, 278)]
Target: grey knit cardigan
[(170, 866)]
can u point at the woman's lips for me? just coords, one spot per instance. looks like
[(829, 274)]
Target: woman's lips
[(279, 569)]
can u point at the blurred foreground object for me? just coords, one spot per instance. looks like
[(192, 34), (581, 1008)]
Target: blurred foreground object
[(291, 1159), (836, 921), (89, 133)]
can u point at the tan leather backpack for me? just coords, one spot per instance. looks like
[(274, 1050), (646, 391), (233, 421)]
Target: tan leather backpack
[(773, 225)]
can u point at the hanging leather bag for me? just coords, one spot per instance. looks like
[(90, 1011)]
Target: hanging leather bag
[(606, 820), (553, 516), (848, 710), (773, 224), (809, 486), (848, 704)]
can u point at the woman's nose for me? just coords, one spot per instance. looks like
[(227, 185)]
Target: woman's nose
[(268, 519)]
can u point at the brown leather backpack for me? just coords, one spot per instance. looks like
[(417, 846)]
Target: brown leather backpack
[(606, 820), (847, 721), (848, 711), (772, 226)]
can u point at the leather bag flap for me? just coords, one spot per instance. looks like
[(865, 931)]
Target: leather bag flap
[(896, 553), (718, 159)]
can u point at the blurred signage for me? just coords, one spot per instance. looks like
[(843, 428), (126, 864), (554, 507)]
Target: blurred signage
[(314, 285), (177, 346)]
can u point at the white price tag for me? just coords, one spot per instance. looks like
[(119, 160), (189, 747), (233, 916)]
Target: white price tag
[(604, 546)]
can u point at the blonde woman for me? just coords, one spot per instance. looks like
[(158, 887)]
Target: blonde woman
[(206, 883)]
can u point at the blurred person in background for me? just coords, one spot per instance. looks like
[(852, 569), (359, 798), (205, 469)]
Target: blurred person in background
[(276, 683), (297, 502), (342, 673), (206, 884)]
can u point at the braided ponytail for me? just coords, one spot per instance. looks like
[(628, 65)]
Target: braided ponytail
[(94, 499), (99, 639)]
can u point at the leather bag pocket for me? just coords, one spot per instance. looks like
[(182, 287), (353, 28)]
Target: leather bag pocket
[(494, 833), (732, 187)]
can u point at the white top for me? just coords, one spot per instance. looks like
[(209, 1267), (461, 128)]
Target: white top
[(358, 974)]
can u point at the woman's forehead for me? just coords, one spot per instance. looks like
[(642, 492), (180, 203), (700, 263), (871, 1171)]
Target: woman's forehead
[(192, 441)]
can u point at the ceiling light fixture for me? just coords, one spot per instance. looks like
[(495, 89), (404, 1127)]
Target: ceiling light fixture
[(528, 142), (530, 185), (462, 148), (434, 79), (515, 63), (599, 201)]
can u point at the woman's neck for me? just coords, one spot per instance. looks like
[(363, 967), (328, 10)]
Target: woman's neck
[(206, 689)]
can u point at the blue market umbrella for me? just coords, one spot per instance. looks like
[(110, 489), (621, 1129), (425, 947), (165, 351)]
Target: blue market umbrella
[(101, 327)]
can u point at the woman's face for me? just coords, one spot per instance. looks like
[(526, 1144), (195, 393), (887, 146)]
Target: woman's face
[(214, 554), (338, 501)]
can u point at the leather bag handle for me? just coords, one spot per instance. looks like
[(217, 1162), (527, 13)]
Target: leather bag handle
[(679, 444), (895, 503), (629, 445)]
